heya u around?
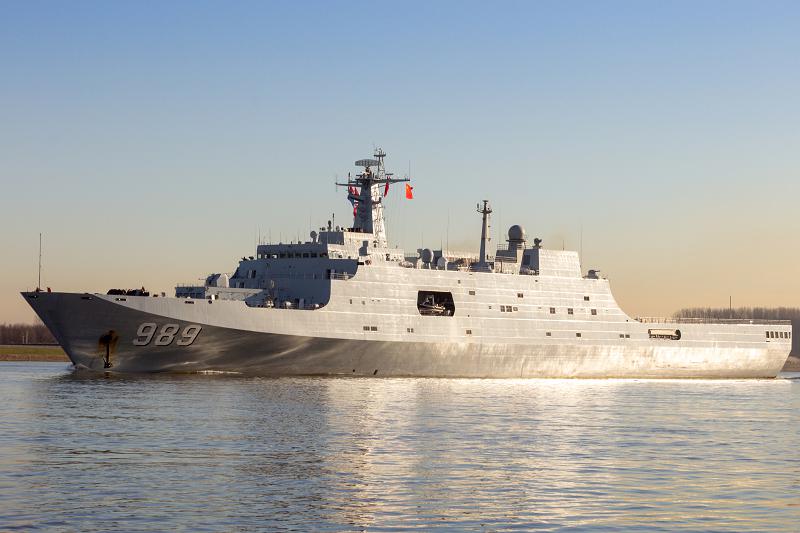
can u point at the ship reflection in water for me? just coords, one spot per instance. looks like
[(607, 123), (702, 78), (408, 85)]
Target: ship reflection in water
[(223, 453)]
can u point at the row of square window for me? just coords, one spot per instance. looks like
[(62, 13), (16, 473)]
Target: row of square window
[(571, 311), (621, 335), (511, 309), (779, 334), (370, 328), (290, 255)]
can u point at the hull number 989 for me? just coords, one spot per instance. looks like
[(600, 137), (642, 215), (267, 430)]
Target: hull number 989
[(147, 334)]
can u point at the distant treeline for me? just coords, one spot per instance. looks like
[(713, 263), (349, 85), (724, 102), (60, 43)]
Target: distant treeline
[(757, 313), (25, 334)]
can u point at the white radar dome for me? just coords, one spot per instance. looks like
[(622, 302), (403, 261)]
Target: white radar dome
[(516, 233)]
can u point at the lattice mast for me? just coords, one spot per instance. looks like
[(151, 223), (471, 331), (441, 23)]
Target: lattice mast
[(367, 191)]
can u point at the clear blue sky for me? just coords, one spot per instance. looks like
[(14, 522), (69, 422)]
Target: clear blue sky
[(151, 141)]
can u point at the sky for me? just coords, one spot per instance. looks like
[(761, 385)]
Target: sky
[(152, 142)]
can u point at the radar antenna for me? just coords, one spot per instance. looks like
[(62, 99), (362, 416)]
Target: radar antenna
[(365, 194)]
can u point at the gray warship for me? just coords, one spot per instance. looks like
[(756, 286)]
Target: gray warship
[(346, 303)]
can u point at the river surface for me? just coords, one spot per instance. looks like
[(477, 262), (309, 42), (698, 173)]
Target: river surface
[(198, 452)]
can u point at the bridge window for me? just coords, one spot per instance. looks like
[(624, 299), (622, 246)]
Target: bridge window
[(435, 303)]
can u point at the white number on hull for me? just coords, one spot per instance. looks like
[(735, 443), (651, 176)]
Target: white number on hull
[(167, 334), (147, 331), (189, 334)]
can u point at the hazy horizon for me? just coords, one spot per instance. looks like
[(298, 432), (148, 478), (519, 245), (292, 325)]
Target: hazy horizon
[(152, 144)]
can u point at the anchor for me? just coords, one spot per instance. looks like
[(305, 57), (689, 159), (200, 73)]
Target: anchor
[(108, 341)]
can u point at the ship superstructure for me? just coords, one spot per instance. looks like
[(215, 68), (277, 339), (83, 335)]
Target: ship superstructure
[(345, 303)]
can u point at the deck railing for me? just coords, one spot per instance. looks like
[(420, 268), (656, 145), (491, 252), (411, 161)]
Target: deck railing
[(665, 320)]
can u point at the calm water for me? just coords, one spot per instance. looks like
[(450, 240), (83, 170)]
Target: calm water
[(224, 453)]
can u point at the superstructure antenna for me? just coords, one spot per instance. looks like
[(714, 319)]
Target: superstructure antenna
[(485, 211), (39, 283), (447, 233)]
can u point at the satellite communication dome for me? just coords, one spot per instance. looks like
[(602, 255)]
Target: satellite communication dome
[(516, 233), (441, 262), (427, 255)]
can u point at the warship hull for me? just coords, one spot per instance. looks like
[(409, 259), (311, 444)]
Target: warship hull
[(103, 333)]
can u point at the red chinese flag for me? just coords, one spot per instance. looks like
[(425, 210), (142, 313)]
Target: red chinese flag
[(409, 192), (386, 189)]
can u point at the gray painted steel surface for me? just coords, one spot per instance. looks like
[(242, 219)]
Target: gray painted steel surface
[(345, 303)]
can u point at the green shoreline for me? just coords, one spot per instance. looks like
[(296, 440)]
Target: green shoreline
[(56, 354)]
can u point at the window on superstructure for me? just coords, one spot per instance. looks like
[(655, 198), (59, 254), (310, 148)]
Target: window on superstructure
[(373, 328), (516, 309), (570, 311), (621, 335), (577, 334), (366, 328), (767, 333), (627, 336), (594, 311), (771, 334), (552, 310), (549, 334), (502, 308), (472, 293), (469, 332), (519, 295), (585, 298)]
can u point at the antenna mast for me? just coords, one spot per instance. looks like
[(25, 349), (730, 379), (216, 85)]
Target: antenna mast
[(485, 211), (39, 283)]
